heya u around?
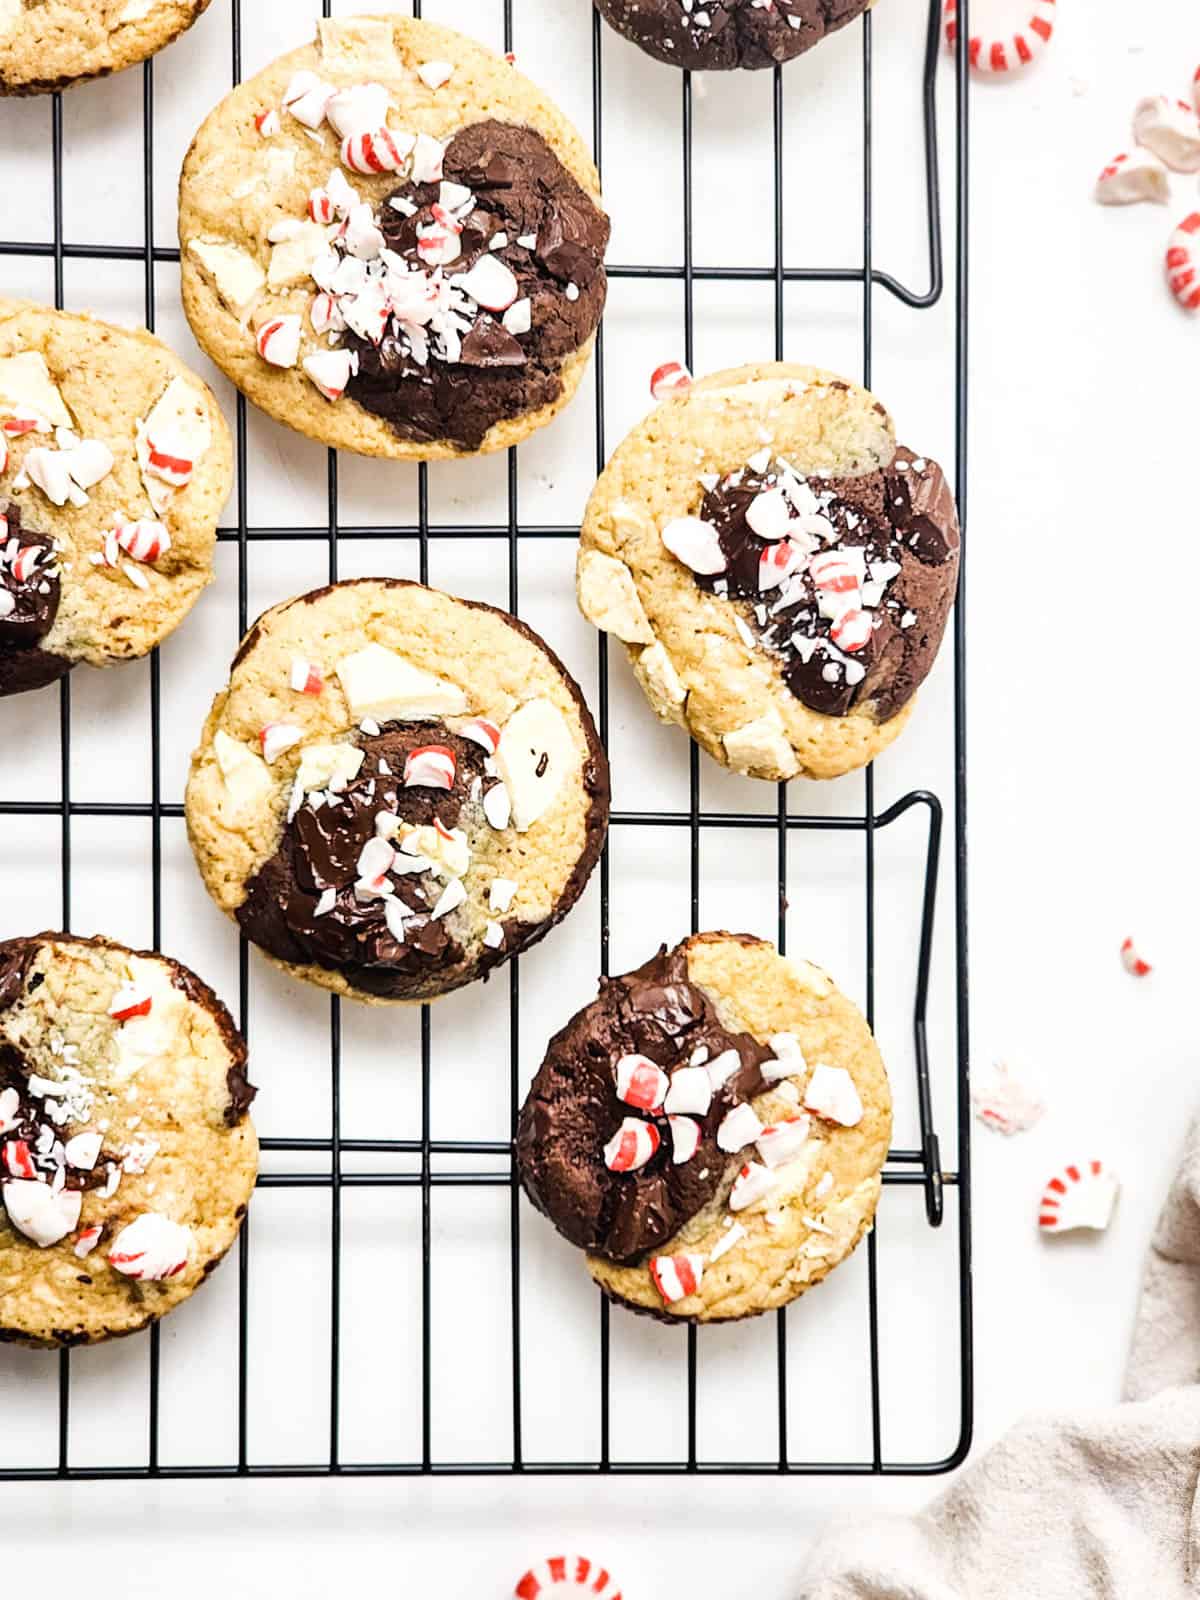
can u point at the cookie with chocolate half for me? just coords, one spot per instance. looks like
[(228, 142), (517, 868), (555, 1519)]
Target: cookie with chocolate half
[(393, 242), (728, 33), (397, 791), (779, 572), (51, 44), (710, 1130), (114, 465), (127, 1157)]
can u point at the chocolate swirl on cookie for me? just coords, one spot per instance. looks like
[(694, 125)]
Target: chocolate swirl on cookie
[(30, 591), (525, 237), (852, 589), (312, 901), (728, 33), (574, 1110)]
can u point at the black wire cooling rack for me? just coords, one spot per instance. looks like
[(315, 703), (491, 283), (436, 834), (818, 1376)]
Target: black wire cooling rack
[(919, 1167)]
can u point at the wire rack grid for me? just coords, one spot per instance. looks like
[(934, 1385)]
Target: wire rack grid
[(920, 1166)]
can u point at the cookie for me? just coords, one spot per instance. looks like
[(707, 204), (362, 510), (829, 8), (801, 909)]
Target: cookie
[(779, 572), (397, 791), (393, 242), (114, 465), (51, 44), (728, 33), (711, 1130), (128, 1156)]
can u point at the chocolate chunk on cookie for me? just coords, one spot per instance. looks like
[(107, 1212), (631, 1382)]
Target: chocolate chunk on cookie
[(779, 572), (128, 1156), (393, 242), (710, 1129), (728, 33), (114, 465), (398, 790)]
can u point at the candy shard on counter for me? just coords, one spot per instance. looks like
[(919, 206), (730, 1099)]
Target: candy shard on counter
[(1080, 1196)]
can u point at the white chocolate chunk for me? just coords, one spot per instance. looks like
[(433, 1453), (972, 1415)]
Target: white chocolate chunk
[(662, 684), (10, 15), (178, 421), (245, 776), (26, 386), (156, 1034), (761, 746), (357, 45), (292, 258), (236, 276), (380, 684), (328, 766), (136, 10), (608, 597), (535, 757)]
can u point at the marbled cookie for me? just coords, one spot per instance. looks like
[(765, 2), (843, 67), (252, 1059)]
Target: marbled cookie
[(711, 1130), (778, 571), (397, 791), (114, 465), (51, 44), (393, 242), (728, 33), (126, 1150)]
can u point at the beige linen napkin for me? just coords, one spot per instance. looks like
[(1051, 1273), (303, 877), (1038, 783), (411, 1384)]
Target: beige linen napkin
[(1096, 1506)]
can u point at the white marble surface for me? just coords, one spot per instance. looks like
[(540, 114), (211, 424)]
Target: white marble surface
[(1081, 769)]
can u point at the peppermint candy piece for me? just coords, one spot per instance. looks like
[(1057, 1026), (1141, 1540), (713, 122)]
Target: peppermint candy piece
[(695, 542), (489, 283), (753, 1183), (1080, 1196), (738, 1128), (566, 1576), (1181, 263), (374, 152), (10, 1110), (428, 155), (1005, 53), (641, 1083), (330, 371), (1003, 1102), (482, 732), (325, 314), (777, 562), (358, 109), (782, 1141), (144, 540), (669, 380), (42, 1214), (690, 1091), (151, 1248), (277, 737), (431, 766), (306, 98), (769, 514), (130, 1001), (1133, 962), (631, 1146), (852, 630), (83, 1151), (789, 1059), (832, 1093), (278, 341), (87, 1239), (685, 1138), (721, 1068), (305, 677), (435, 74), (1128, 178), (18, 1159), (1171, 129), (676, 1277)]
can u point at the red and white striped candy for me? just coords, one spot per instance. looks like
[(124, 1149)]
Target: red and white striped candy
[(151, 1248), (1181, 263), (1009, 52), (676, 1277), (1135, 175), (1132, 962), (640, 1083), (18, 1160), (277, 737), (685, 1138), (480, 731), (325, 314), (752, 1183), (1079, 1197), (852, 630), (777, 562), (631, 1146), (24, 422), (321, 207), (738, 1128), (431, 767), (306, 98), (267, 122), (568, 1578), (1171, 129), (130, 1001), (143, 540), (780, 1141), (305, 676), (694, 542), (278, 341), (26, 562), (833, 572), (669, 380), (329, 371), (372, 152), (165, 460), (87, 1239)]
